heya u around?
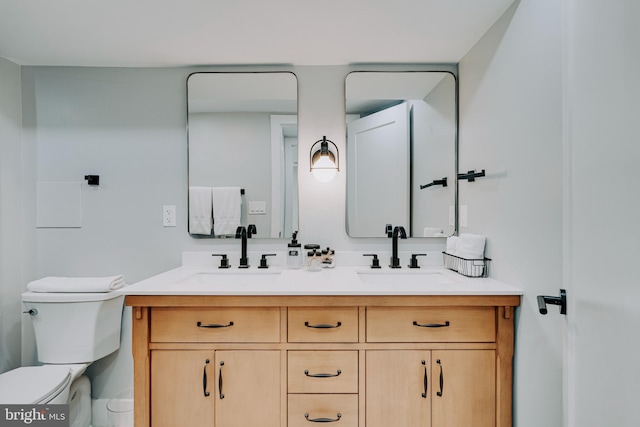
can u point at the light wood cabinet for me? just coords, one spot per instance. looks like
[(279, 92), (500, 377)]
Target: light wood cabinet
[(179, 383), (288, 361), (248, 388), (194, 388), (442, 388)]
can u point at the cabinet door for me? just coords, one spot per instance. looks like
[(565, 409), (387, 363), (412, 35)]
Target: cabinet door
[(463, 392), (398, 390), (247, 388), (180, 380)]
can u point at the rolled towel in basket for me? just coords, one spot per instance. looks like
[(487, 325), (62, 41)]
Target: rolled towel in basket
[(77, 284), (452, 245), (471, 246)]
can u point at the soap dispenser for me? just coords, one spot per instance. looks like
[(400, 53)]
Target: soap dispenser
[(294, 253)]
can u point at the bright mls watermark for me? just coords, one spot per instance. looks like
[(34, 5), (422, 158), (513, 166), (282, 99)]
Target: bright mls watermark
[(34, 415)]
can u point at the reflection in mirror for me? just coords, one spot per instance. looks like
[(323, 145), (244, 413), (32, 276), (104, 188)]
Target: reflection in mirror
[(401, 153), (243, 153)]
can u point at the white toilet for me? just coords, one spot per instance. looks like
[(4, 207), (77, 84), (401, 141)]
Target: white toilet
[(72, 331)]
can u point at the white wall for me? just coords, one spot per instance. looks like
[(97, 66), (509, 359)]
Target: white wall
[(511, 126), (11, 284), (128, 126)]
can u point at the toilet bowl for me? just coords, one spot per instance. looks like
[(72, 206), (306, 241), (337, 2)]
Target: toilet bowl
[(49, 385), (36, 385), (72, 331)]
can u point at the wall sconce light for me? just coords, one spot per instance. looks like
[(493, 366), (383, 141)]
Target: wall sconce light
[(324, 163)]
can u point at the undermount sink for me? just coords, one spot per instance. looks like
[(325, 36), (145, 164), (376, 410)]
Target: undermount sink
[(405, 279), (234, 278)]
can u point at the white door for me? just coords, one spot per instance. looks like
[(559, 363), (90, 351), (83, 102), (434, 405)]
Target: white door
[(602, 222), (378, 172)]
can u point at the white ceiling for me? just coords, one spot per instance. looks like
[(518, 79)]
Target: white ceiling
[(140, 33)]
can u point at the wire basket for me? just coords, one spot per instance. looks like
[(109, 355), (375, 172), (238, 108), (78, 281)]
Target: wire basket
[(467, 267)]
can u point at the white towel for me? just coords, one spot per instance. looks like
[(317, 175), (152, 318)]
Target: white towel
[(471, 246), (227, 207), (452, 245), (77, 284), (200, 210)]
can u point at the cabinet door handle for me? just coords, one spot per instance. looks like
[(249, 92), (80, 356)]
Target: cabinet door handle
[(441, 379), (322, 325), (431, 325), (323, 420), (220, 381), (426, 380), (204, 379), (306, 372), (213, 325)]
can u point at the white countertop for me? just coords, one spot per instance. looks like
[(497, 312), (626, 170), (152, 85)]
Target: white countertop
[(341, 280)]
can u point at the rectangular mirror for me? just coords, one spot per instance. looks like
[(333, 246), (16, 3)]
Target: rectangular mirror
[(401, 153), (243, 153)]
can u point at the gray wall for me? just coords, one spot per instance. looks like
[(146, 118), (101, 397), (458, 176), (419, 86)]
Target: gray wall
[(11, 283)]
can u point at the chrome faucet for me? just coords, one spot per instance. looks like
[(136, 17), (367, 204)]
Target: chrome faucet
[(245, 233), (398, 232)]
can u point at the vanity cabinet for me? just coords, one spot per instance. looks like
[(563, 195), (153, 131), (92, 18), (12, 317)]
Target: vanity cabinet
[(356, 361), (430, 388)]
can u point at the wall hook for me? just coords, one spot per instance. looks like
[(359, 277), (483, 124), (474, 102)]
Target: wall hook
[(92, 179), (442, 182), (543, 300), (471, 175)]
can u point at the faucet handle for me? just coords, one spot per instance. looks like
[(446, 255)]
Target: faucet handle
[(375, 262), (414, 260), (388, 229), (224, 262), (263, 260)]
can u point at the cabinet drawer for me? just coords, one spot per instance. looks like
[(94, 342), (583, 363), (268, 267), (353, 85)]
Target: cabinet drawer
[(431, 324), (215, 324), (323, 371), (304, 408), (323, 324)]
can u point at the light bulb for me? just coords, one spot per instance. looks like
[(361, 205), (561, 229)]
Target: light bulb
[(324, 170)]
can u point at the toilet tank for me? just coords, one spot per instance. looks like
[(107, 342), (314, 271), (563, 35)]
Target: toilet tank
[(75, 327)]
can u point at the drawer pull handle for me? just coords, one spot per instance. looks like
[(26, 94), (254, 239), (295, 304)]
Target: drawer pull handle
[(306, 372), (431, 325), (441, 379), (323, 325), (213, 325), (426, 380), (220, 381), (204, 379), (323, 420)]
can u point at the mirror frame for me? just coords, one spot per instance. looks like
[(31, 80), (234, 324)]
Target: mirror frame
[(279, 120), (456, 130)]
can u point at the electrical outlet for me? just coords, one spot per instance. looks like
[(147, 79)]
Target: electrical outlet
[(257, 208), (169, 216)]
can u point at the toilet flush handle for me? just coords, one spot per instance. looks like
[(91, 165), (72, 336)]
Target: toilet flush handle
[(32, 312)]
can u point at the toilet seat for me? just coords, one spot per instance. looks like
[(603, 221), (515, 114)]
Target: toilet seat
[(34, 384)]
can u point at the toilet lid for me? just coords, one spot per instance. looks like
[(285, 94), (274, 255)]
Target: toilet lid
[(33, 384)]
